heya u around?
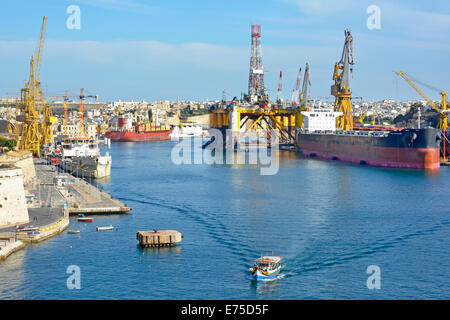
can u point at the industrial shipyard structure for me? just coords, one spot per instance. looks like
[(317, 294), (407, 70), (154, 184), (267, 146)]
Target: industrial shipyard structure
[(327, 133), (297, 123)]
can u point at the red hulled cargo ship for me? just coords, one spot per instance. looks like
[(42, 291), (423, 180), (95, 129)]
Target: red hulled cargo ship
[(126, 131), (406, 148), (143, 136)]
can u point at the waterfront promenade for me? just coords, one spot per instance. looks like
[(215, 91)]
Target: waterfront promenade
[(51, 197)]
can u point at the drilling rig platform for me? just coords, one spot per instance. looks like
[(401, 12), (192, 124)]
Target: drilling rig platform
[(255, 115)]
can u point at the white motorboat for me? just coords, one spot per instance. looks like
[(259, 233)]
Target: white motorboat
[(111, 227)]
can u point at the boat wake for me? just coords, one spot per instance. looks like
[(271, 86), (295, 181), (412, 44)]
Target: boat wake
[(215, 228), (306, 265)]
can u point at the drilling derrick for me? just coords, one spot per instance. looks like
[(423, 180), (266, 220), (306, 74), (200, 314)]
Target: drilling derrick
[(256, 88), (341, 87), (268, 121)]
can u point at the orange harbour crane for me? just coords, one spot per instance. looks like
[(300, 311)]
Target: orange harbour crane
[(72, 98), (81, 98)]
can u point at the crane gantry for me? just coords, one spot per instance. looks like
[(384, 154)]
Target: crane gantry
[(341, 87)]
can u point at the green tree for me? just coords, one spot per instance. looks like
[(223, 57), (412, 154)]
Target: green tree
[(8, 143)]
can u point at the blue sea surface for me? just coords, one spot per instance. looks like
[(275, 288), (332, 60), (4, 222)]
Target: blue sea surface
[(329, 221)]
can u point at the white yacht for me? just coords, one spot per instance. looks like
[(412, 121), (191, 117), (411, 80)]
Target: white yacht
[(180, 132)]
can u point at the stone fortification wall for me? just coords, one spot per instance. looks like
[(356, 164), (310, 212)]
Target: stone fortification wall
[(13, 208)]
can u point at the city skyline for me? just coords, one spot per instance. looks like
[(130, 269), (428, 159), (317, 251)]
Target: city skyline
[(156, 51)]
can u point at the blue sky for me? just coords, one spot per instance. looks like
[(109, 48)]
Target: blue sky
[(154, 49)]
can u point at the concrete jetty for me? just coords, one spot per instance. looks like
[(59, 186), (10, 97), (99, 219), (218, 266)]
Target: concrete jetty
[(80, 195), (158, 238)]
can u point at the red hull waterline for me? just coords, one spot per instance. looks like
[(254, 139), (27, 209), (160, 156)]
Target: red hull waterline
[(132, 136), (413, 158)]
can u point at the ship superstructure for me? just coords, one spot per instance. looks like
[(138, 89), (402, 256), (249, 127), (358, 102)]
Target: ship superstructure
[(81, 157)]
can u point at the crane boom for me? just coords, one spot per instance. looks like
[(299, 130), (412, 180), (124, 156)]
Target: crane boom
[(306, 83), (296, 91), (362, 117), (39, 50), (431, 103), (443, 122)]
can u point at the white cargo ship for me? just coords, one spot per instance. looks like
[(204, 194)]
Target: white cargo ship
[(81, 157)]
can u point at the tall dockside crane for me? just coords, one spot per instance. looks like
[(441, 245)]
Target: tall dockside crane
[(303, 95), (341, 87), (81, 98), (30, 138), (32, 97), (443, 120), (45, 129)]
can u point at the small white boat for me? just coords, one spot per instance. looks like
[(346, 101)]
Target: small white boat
[(266, 267), (74, 231), (111, 227)]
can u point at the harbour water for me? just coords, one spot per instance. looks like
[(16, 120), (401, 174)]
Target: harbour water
[(328, 220)]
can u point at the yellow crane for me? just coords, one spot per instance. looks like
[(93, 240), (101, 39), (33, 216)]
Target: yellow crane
[(32, 97), (46, 129), (361, 118), (30, 138), (443, 121), (341, 87), (16, 123), (374, 115), (8, 118)]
